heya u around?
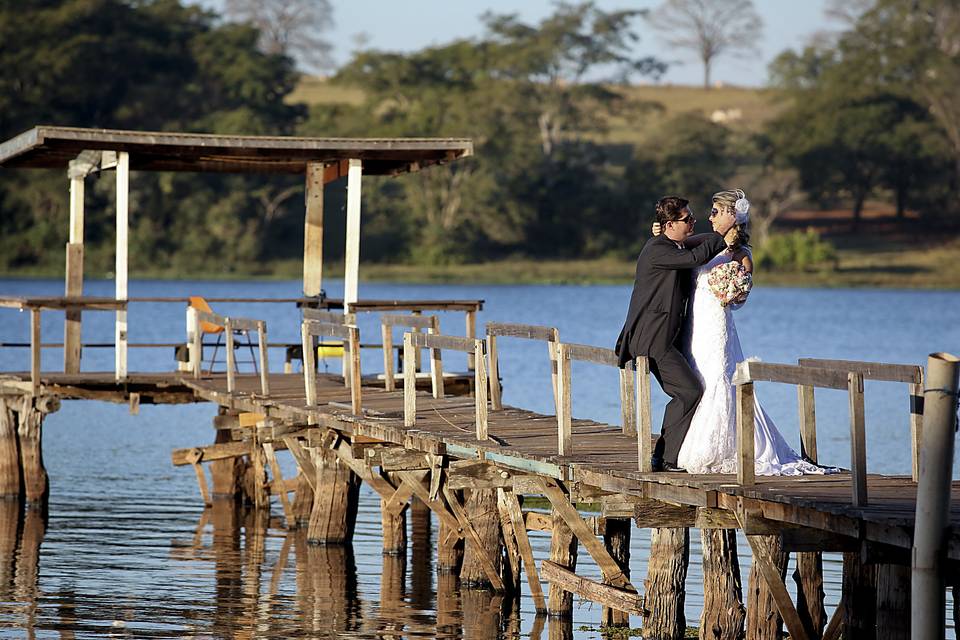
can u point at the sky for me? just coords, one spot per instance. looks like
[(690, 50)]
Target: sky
[(414, 24)]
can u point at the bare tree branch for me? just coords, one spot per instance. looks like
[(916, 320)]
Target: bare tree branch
[(290, 27)]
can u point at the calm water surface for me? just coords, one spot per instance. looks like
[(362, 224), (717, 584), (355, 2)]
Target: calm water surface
[(129, 552)]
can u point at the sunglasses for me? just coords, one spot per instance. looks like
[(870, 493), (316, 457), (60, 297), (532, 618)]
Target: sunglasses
[(686, 220)]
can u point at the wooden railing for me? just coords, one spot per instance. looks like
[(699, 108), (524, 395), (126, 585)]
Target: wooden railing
[(513, 330), (415, 341), (633, 396), (351, 373), (910, 374), (229, 326), (387, 323)]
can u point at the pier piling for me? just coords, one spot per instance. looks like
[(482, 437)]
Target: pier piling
[(666, 577)]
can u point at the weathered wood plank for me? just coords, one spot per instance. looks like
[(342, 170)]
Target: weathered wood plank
[(526, 550), (518, 330), (909, 373), (620, 599)]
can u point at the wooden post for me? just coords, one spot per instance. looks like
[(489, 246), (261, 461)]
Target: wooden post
[(196, 342), (916, 426), (893, 602), (746, 469), (352, 253), (496, 401), (628, 407), (449, 547), (808, 421), (409, 382), (552, 354), (763, 617), (933, 496), (35, 350), (470, 331), (512, 505), (264, 362), (421, 552), (436, 372), (564, 403), (335, 497), (355, 379), (808, 576), (386, 338), (231, 356), (480, 389), (723, 614), (309, 365), (313, 231), (860, 595), (665, 590), (30, 412), (616, 540), (644, 432), (226, 475), (563, 552), (483, 514), (393, 520), (9, 452), (858, 440), (120, 270), (74, 278)]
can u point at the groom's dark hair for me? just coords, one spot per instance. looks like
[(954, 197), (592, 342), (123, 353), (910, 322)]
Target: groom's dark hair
[(670, 209)]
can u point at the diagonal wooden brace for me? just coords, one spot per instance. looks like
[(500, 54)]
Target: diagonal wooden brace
[(488, 567), (612, 574), (194, 456)]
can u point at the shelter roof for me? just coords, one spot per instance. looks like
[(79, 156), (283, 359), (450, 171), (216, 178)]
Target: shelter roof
[(55, 147)]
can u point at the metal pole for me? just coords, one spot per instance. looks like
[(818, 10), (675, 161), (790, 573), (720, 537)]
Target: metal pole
[(933, 497)]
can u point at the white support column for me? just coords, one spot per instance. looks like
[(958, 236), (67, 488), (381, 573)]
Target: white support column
[(123, 219), (74, 277), (352, 259)]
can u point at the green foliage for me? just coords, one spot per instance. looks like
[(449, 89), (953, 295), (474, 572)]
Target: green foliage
[(796, 251)]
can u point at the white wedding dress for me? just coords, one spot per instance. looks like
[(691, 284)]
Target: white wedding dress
[(713, 350)]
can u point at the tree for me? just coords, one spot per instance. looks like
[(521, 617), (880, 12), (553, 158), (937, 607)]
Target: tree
[(294, 28), (709, 28)]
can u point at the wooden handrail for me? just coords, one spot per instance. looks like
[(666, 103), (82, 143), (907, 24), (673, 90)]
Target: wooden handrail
[(910, 374), (387, 322), (229, 324), (806, 379), (413, 342), (320, 315), (515, 330), (631, 395), (351, 373)]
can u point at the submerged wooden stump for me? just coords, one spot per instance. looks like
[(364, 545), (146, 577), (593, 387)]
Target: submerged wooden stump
[(303, 501), (335, 498), (563, 552), (723, 614), (893, 602), (22, 474), (808, 575), (449, 547), (616, 539), (482, 511), (665, 588), (860, 592), (421, 555), (763, 618), (227, 474)]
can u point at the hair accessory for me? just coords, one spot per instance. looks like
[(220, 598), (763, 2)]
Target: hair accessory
[(742, 207)]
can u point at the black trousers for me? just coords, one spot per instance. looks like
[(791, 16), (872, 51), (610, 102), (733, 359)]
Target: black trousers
[(678, 381)]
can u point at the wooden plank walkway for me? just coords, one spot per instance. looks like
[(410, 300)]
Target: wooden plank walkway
[(605, 459)]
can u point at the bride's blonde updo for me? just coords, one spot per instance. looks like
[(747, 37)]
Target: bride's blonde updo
[(728, 199)]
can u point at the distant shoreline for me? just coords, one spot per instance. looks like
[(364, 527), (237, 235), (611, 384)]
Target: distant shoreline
[(850, 273)]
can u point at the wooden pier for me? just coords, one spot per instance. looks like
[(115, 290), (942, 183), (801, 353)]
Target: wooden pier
[(448, 444)]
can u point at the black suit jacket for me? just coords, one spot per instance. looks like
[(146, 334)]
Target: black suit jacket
[(660, 293)]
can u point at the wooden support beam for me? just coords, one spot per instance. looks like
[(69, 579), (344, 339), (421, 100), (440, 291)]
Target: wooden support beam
[(415, 480), (612, 574), (194, 460), (628, 406), (616, 540), (120, 269), (808, 421), (746, 470), (564, 403), (511, 550), (486, 561), (526, 550), (916, 426), (651, 514), (313, 231), (496, 401), (858, 440), (619, 599), (278, 482), (35, 351), (645, 425), (351, 272), (774, 581), (74, 277)]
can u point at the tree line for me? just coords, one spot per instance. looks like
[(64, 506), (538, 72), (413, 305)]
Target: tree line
[(867, 113)]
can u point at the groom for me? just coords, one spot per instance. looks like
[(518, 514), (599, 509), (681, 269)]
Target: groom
[(655, 315)]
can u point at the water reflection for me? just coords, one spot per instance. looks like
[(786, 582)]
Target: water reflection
[(21, 533)]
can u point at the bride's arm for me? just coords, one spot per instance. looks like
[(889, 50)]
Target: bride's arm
[(746, 261), (691, 242)]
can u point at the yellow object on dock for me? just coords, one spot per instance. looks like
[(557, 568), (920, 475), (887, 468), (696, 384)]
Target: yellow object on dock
[(330, 350)]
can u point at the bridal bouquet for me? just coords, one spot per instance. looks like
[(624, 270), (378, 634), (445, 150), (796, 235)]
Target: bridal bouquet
[(729, 281)]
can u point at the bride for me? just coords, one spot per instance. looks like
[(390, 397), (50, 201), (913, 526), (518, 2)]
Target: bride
[(712, 347)]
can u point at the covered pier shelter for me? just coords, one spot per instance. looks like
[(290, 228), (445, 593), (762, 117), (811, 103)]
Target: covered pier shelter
[(83, 151)]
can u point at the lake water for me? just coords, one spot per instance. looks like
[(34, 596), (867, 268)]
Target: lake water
[(129, 552)]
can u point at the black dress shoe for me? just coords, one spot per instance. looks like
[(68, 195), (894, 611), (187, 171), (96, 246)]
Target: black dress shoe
[(656, 464), (669, 466)]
